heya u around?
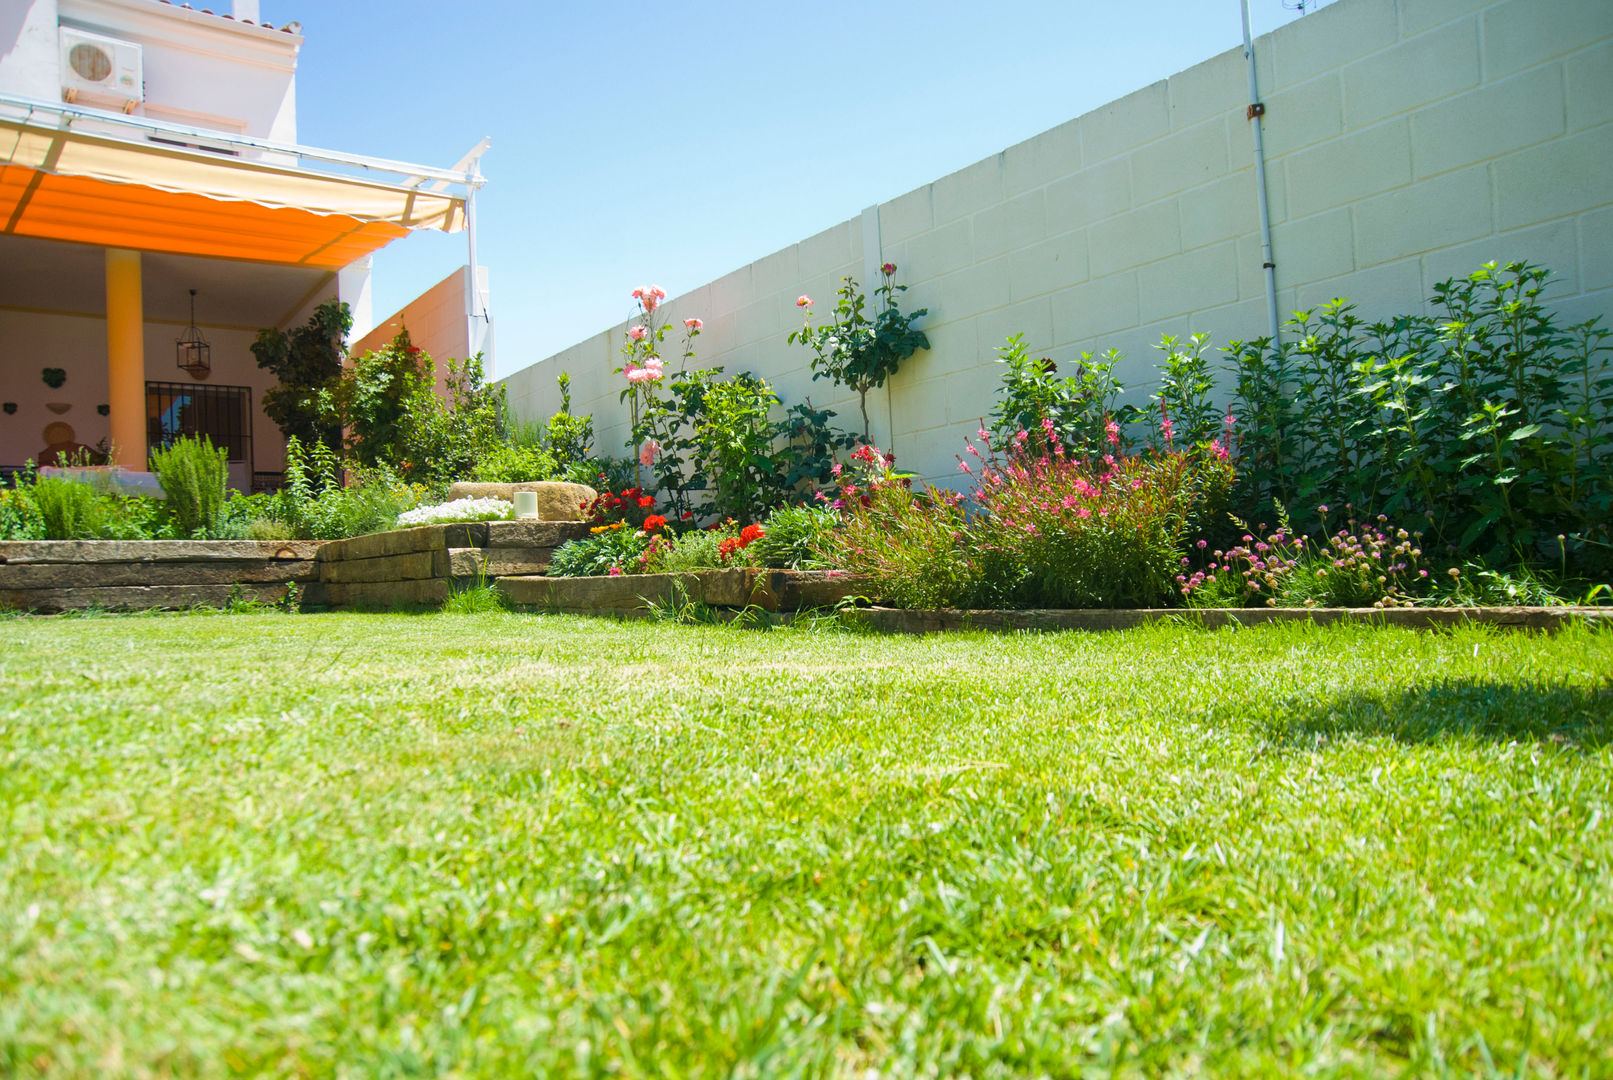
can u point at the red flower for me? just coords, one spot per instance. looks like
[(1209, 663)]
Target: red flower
[(646, 501), (654, 522), (750, 533)]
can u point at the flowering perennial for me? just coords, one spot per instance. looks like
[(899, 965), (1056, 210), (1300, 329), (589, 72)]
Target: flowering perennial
[(457, 510)]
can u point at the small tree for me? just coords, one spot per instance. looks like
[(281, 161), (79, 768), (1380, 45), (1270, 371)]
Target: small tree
[(308, 363), (858, 352)]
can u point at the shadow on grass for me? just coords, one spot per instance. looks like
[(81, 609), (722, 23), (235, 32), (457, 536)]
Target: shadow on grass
[(1579, 717)]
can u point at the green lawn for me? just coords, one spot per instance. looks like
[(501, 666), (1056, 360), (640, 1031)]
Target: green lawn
[(501, 845)]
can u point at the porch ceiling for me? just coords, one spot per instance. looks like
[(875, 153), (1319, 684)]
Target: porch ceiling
[(50, 276)]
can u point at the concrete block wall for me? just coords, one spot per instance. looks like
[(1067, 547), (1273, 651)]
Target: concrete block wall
[(1407, 141)]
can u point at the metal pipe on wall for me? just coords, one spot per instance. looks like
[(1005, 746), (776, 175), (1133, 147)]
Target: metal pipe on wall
[(1256, 110)]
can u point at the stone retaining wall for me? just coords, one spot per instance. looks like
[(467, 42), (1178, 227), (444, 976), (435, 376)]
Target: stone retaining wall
[(770, 590), (421, 566), (67, 575)]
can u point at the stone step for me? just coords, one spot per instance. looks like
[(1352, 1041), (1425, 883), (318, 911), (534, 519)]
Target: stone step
[(142, 597), (92, 575)]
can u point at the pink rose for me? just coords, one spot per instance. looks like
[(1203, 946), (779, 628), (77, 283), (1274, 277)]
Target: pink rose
[(648, 453), (804, 301), (657, 292), (693, 324), (888, 269), (636, 333), (638, 294)]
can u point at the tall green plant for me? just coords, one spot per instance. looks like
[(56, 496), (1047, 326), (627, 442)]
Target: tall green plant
[(308, 362), (858, 352), (195, 475), (1488, 416), (1080, 406)]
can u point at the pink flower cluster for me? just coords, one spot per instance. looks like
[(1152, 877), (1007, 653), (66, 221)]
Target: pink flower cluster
[(649, 296), (649, 371)]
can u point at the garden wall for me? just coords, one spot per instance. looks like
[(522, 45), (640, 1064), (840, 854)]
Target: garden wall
[(1407, 141), (69, 575)]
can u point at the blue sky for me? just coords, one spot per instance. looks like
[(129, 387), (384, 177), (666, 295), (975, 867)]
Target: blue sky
[(676, 142)]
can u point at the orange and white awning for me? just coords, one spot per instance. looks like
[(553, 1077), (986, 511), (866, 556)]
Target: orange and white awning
[(61, 183)]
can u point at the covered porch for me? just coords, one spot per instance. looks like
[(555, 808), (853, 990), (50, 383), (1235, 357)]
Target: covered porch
[(108, 222)]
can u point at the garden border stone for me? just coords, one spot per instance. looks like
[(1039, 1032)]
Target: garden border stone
[(915, 621), (68, 575)]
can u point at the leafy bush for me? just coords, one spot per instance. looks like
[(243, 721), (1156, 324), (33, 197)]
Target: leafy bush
[(855, 351), (612, 549), (1057, 530), (734, 448), (381, 397), (697, 550), (511, 464), (195, 476), (1080, 407), (1488, 412), (249, 517), (315, 505), (307, 361), (795, 537), (19, 515), (911, 546), (71, 510), (569, 439)]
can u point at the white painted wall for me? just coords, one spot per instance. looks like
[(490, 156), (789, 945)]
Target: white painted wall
[(207, 70), (1407, 141)]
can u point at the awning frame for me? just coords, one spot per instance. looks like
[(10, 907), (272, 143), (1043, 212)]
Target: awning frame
[(400, 176)]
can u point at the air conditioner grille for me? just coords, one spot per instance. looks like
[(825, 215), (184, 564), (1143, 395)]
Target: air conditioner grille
[(90, 62)]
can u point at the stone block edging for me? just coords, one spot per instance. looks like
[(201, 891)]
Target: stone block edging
[(913, 621)]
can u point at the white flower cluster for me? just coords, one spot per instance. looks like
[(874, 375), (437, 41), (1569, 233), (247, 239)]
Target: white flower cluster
[(457, 510)]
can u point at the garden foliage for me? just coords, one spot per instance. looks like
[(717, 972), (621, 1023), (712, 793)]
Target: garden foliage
[(195, 477), (1489, 414), (858, 352)]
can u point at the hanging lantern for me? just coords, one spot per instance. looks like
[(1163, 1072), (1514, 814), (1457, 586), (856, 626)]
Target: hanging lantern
[(194, 354)]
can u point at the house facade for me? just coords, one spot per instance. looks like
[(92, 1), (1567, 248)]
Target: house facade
[(157, 211)]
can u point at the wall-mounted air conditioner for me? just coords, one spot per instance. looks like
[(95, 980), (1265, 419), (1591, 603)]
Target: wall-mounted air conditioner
[(101, 69)]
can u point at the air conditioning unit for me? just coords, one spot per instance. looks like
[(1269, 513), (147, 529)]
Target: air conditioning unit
[(100, 69)]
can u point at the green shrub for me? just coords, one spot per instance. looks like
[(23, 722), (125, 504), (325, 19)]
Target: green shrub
[(510, 464), (697, 550), (19, 515), (1487, 413), (911, 546), (195, 476), (315, 505), (619, 549), (795, 537), (72, 510), (1057, 530)]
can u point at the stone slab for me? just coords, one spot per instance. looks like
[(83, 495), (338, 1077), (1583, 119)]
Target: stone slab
[(627, 592), (404, 541), (138, 597), (498, 561), (101, 574), (151, 551), (797, 590), (406, 567), (771, 590), (543, 534), (381, 595), (907, 621)]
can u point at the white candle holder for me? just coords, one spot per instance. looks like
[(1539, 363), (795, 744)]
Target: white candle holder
[(526, 504)]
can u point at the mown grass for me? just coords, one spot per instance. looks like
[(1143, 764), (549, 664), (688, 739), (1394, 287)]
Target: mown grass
[(500, 845)]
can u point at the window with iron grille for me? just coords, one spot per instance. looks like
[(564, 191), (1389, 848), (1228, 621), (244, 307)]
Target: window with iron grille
[(222, 413)]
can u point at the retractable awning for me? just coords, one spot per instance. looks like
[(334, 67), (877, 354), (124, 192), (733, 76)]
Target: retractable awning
[(64, 183)]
